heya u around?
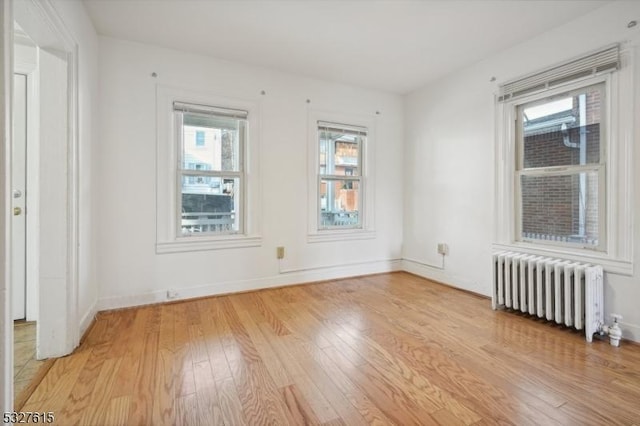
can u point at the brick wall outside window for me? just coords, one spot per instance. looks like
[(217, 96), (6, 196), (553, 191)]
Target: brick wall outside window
[(551, 204)]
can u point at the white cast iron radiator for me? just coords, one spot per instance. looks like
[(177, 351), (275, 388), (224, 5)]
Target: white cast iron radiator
[(563, 291)]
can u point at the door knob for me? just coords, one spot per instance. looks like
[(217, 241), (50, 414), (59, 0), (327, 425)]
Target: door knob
[(17, 211)]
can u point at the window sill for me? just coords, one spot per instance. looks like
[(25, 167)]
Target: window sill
[(203, 243), (341, 235), (610, 265)]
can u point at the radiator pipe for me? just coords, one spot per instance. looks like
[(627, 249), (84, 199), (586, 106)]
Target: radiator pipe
[(614, 332)]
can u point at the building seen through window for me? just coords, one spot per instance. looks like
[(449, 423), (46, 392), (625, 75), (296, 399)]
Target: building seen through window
[(340, 175), (210, 173), (561, 191)]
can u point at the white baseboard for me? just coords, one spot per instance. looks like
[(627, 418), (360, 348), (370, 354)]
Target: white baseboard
[(630, 331), (435, 273), (87, 318), (286, 278)]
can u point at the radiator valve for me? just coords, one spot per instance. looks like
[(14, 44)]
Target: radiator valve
[(615, 333)]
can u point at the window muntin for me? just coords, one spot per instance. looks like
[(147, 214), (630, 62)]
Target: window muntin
[(560, 169), (340, 179), (210, 174)]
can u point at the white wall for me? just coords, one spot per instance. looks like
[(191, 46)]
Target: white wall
[(129, 270), (77, 21), (449, 158)]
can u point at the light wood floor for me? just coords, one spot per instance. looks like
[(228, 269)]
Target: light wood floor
[(27, 370), (24, 354), (382, 349)]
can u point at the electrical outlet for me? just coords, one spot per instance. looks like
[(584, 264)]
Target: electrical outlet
[(280, 252), (443, 249)]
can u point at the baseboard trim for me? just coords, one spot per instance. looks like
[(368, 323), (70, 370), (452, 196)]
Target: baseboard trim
[(301, 276), (88, 319), (440, 276), (630, 332)]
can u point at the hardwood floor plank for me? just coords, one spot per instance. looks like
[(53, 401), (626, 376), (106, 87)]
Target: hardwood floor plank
[(257, 392), (299, 408), (164, 394), (391, 400), (350, 404), (101, 395), (118, 412), (141, 409), (217, 333), (259, 405), (80, 397), (186, 410), (59, 381), (277, 371), (269, 316), (230, 405), (167, 335), (209, 411), (305, 384)]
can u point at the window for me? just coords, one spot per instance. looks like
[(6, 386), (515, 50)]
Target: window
[(211, 179), (208, 177), (339, 175), (560, 170), (564, 162)]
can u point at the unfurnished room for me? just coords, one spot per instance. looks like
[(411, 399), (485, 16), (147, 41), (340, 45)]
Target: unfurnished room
[(288, 212)]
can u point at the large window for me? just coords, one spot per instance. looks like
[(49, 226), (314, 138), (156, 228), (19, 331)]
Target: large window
[(339, 175), (560, 169), (564, 161), (210, 170)]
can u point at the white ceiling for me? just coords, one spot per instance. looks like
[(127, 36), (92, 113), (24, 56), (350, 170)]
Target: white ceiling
[(396, 46)]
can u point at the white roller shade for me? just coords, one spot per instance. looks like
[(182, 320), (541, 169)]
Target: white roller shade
[(342, 128), (605, 60), (209, 110)]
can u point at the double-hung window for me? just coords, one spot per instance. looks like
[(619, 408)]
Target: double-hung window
[(560, 168), (340, 177), (210, 169), (564, 160)]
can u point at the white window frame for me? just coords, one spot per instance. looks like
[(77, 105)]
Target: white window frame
[(617, 136), (192, 174), (169, 238), (365, 229), (332, 177), (564, 170)]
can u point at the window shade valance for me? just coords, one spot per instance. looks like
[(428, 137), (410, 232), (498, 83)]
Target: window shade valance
[(605, 60), (341, 128), (210, 110)]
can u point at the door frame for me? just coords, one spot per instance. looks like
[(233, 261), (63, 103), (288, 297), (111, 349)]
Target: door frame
[(40, 21), (6, 321), (49, 23)]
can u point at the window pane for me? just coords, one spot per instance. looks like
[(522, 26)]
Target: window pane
[(561, 208), (209, 204), (562, 131), (211, 142), (339, 201), (340, 153)]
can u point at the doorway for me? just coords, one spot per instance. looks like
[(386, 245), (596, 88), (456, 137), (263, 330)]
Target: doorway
[(19, 195), (44, 230)]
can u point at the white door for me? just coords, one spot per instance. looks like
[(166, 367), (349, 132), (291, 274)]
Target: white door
[(19, 196)]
